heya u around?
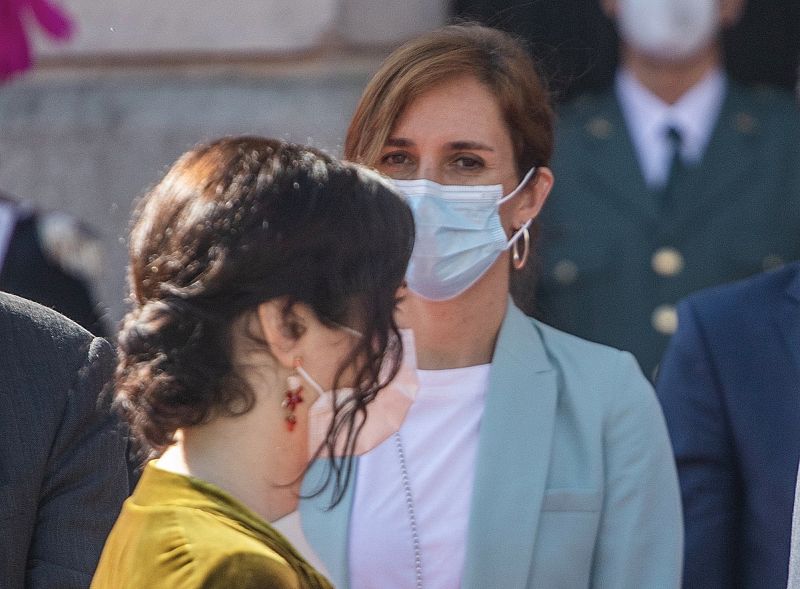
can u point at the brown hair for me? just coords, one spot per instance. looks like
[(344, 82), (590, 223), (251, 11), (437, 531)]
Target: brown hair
[(235, 223), (495, 58)]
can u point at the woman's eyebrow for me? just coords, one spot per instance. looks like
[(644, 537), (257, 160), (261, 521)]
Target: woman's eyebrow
[(469, 146), (452, 146), (399, 142)]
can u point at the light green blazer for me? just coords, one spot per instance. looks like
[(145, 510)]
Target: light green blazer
[(575, 480)]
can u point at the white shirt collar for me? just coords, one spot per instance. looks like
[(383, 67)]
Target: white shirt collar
[(694, 115)]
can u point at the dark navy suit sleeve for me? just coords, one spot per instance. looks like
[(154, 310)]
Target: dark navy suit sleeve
[(694, 408)]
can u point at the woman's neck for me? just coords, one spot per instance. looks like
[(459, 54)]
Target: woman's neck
[(462, 331), (252, 456)]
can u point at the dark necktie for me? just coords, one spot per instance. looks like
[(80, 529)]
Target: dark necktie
[(676, 166)]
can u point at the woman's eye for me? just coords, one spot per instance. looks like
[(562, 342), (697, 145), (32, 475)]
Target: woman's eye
[(394, 159), (468, 163)]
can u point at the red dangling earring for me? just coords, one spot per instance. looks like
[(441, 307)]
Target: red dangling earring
[(292, 398)]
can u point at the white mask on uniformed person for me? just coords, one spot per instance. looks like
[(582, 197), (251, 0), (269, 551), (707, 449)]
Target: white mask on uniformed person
[(668, 29)]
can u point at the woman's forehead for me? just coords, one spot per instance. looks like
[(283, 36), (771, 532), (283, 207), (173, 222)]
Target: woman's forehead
[(460, 113)]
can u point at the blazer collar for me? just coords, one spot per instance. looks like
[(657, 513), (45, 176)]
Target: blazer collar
[(513, 458)]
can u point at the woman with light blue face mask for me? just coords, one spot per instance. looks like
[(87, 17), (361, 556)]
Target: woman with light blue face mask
[(529, 458)]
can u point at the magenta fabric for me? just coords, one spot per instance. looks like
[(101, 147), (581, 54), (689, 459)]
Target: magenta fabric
[(15, 15)]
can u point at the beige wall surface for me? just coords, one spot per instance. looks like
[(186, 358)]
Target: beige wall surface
[(147, 26), (90, 147), (123, 27)]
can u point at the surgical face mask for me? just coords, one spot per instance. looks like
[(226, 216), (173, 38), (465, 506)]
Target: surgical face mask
[(458, 234), (384, 415), (668, 29)]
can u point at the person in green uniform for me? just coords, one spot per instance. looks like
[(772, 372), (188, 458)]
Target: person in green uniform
[(262, 275), (674, 180)]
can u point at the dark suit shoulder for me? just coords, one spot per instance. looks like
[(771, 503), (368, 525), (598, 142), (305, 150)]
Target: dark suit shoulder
[(31, 330), (587, 105), (767, 99), (769, 112), (21, 312), (53, 369), (588, 119), (746, 298)]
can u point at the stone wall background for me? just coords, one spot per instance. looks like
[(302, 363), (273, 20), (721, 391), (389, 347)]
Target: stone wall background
[(101, 117)]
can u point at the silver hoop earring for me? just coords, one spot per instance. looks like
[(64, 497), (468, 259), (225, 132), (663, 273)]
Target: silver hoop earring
[(520, 261)]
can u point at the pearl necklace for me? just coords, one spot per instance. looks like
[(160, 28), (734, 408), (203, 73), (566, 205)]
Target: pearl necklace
[(412, 515)]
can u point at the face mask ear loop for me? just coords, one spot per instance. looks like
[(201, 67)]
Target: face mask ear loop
[(351, 331), (519, 261), (307, 377), (518, 233), (346, 329), (520, 186)]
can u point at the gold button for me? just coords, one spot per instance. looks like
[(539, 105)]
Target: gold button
[(565, 272), (599, 128), (667, 261), (771, 262), (665, 319), (745, 123)]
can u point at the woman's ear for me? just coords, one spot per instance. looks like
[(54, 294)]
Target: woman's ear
[(282, 330), (534, 196)]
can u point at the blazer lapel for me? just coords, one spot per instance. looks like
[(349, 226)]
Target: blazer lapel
[(513, 458), (327, 529)]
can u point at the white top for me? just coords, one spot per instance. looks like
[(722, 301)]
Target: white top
[(648, 117), (440, 440), (8, 220)]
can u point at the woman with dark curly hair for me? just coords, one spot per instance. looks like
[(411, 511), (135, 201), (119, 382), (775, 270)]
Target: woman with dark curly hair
[(262, 275)]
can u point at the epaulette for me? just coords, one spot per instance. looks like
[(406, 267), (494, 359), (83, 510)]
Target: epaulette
[(70, 245)]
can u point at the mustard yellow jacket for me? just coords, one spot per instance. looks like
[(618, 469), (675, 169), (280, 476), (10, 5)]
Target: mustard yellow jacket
[(179, 532)]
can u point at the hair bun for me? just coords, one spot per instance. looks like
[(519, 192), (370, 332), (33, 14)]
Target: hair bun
[(167, 362), (156, 326)]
